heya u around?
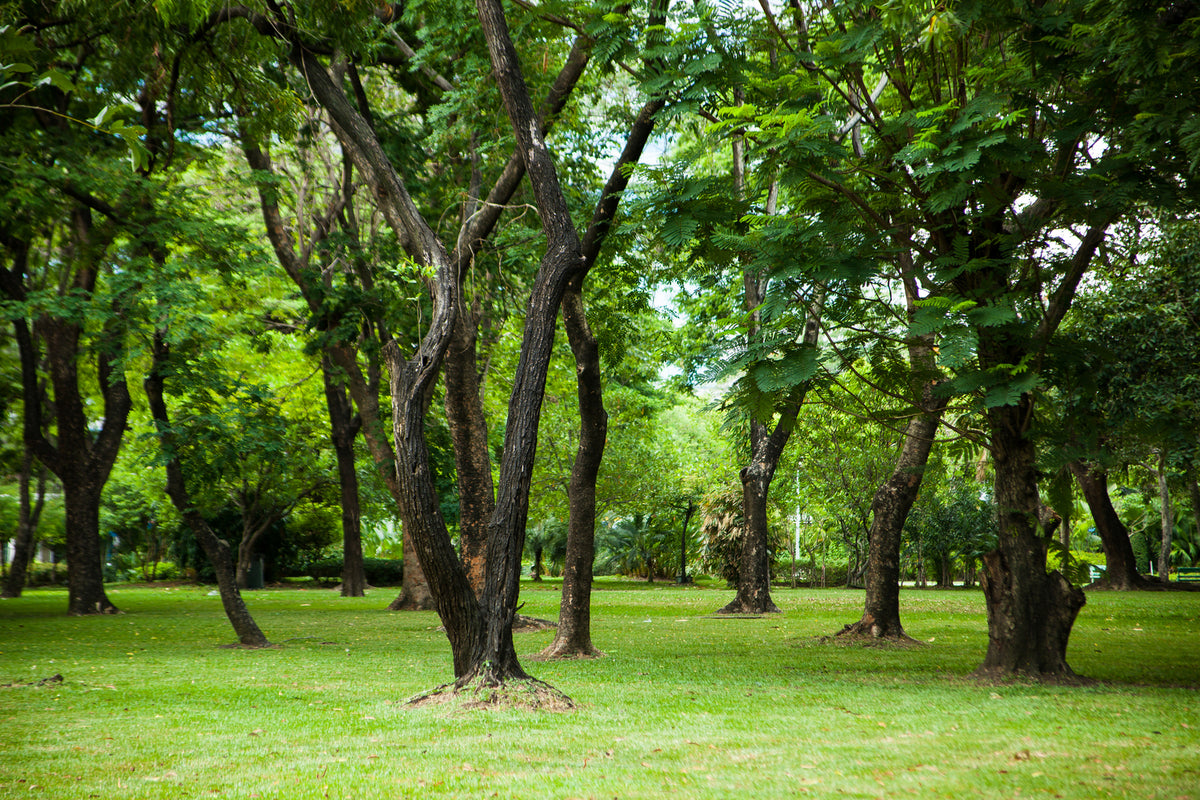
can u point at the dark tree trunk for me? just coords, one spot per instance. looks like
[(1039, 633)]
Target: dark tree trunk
[(83, 465), (80, 458), (683, 543), (343, 427), (472, 457), (754, 564), (1121, 570), (573, 636), (1030, 612), (217, 549), (890, 506), (27, 522)]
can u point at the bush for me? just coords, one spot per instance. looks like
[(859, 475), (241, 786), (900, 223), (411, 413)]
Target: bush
[(40, 573), (379, 571)]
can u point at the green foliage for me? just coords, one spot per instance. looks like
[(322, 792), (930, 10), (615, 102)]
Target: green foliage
[(378, 571)]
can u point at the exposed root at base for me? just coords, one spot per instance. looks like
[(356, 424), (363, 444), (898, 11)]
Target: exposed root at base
[(993, 676), (553, 653), (852, 638), (240, 646), (524, 624), (526, 693)]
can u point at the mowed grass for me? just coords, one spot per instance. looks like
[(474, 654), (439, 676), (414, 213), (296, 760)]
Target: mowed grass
[(684, 704)]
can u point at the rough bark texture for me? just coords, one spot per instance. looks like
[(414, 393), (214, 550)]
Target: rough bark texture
[(890, 506), (79, 458), (895, 497), (1030, 612), (217, 549), (343, 427), (561, 264), (472, 458), (464, 403), (1121, 570), (27, 522), (573, 637)]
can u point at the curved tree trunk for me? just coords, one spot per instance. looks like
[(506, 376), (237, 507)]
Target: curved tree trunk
[(895, 497), (574, 633), (217, 549), (1121, 570), (890, 506), (1030, 612)]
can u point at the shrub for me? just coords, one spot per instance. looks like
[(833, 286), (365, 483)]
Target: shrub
[(379, 571)]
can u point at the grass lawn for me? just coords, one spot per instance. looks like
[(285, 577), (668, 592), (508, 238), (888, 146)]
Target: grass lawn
[(684, 704)]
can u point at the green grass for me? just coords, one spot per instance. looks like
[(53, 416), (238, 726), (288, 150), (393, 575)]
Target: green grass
[(683, 705)]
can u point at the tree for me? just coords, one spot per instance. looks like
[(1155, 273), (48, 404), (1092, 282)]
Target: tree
[(972, 139)]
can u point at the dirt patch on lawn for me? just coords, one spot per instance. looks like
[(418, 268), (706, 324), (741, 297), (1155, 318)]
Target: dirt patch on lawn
[(528, 694)]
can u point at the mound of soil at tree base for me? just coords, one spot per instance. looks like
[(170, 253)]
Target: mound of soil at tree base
[(529, 693)]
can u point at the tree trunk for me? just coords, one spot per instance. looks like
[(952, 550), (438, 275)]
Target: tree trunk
[(217, 549), (27, 522), (363, 389), (573, 637), (343, 427), (85, 571), (754, 564), (472, 454), (1168, 518), (1030, 612), (889, 508), (683, 543), (1121, 572)]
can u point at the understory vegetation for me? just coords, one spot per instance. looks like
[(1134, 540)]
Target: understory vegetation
[(685, 702)]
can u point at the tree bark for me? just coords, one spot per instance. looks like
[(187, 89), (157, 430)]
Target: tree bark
[(1030, 612), (1168, 518), (573, 636), (1121, 572), (890, 506), (895, 497), (472, 455), (217, 549), (343, 427), (27, 522), (363, 389)]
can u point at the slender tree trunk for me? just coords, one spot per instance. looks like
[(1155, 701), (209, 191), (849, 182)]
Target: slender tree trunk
[(343, 427), (1030, 612), (217, 549), (683, 544), (1120, 572), (889, 508), (573, 637), (27, 522), (472, 454), (1168, 518)]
